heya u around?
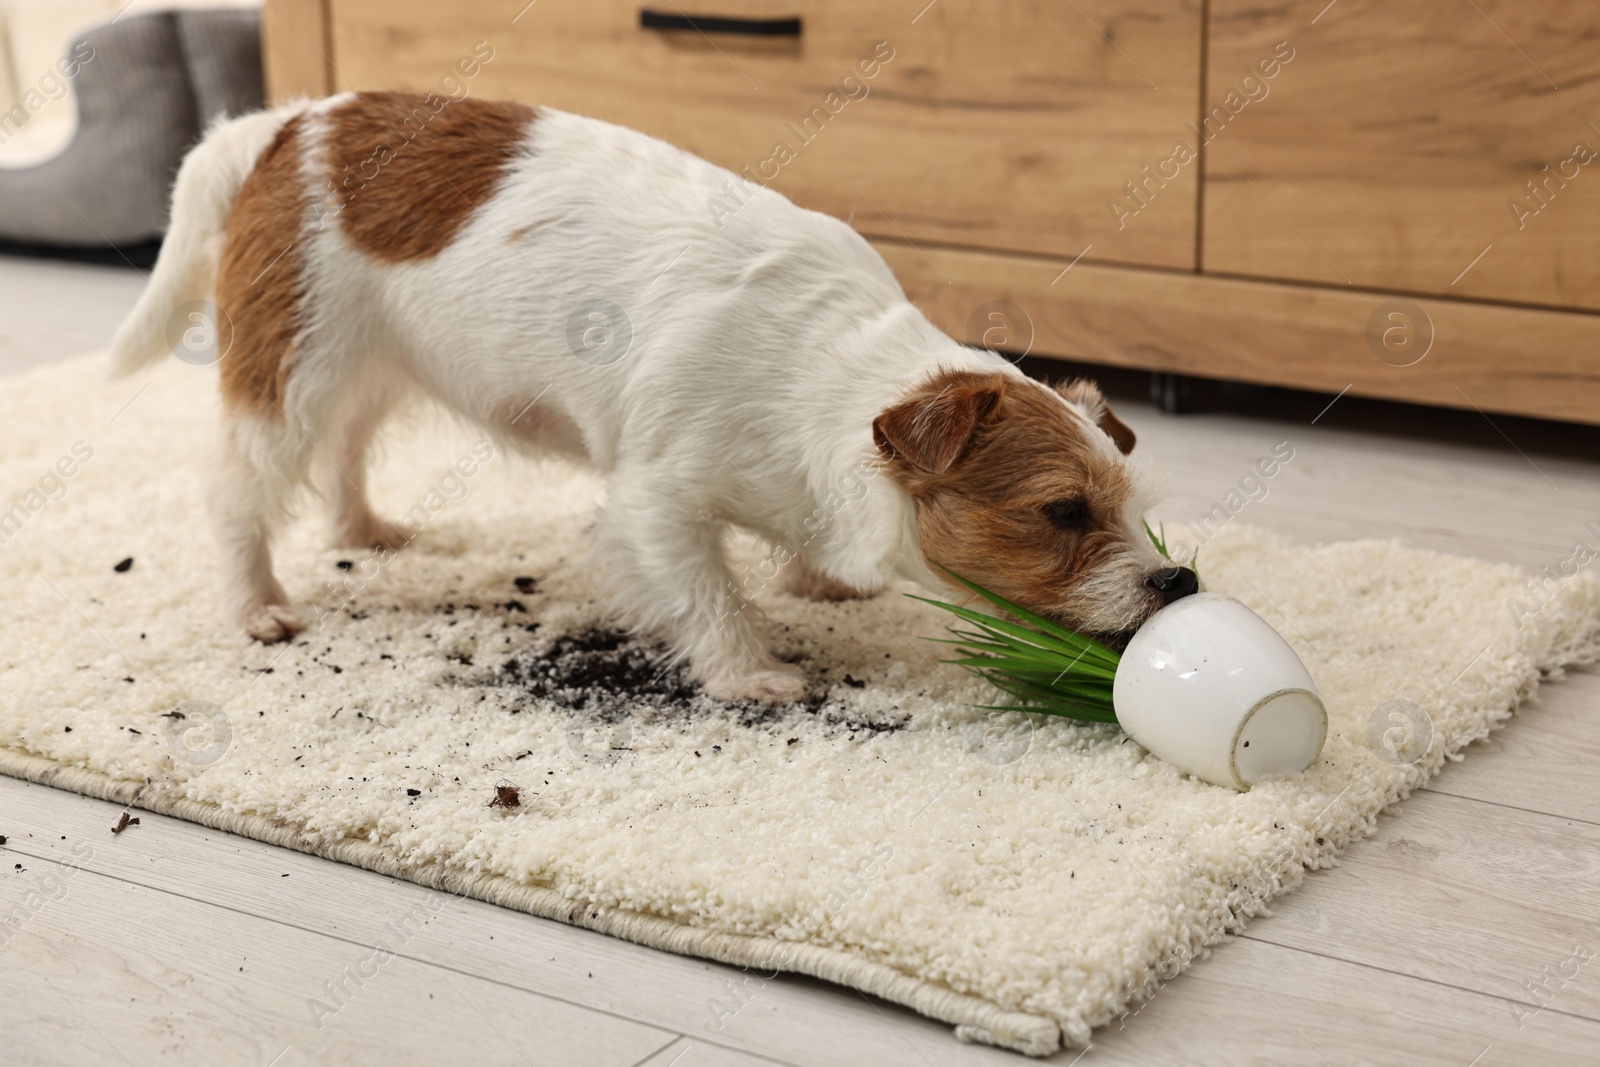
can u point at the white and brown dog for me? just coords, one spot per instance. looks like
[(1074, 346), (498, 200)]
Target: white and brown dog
[(488, 254)]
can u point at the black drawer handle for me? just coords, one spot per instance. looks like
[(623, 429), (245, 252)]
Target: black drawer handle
[(661, 20)]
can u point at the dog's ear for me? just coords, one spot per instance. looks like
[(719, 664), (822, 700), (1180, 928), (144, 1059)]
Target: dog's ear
[(1087, 395), (932, 428)]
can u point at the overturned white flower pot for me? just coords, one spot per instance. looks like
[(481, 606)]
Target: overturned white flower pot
[(1209, 686)]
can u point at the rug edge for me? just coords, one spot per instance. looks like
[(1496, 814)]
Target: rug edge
[(974, 1019)]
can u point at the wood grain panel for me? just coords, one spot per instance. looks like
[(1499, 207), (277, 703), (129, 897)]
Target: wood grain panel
[(1401, 907), (1499, 359), (295, 49), (205, 984), (1391, 152), (996, 123)]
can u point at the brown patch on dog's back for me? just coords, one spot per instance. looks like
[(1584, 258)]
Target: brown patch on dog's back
[(408, 169), (259, 287)]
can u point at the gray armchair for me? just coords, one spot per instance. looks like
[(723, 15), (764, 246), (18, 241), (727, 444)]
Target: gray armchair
[(153, 85)]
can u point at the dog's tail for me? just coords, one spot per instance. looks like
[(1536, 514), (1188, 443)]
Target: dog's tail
[(202, 197)]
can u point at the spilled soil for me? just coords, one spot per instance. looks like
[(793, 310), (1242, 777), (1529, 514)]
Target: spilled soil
[(601, 672), (605, 677)]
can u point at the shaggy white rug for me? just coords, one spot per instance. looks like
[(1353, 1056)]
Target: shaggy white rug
[(1023, 879)]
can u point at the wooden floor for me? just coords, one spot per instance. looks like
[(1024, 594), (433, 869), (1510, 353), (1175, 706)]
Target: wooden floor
[(1462, 934)]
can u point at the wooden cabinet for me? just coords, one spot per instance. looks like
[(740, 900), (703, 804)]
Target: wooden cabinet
[(1312, 194), (1435, 146), (1003, 124)]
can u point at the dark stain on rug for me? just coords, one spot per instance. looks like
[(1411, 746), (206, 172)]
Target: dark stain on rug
[(606, 677), (601, 672)]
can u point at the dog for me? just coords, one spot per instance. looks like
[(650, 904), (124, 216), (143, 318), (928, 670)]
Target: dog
[(574, 288)]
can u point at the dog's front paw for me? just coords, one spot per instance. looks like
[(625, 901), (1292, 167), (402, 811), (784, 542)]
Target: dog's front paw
[(271, 623), (778, 684)]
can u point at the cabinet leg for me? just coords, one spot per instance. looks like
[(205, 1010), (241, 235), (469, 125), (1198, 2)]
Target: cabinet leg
[(1173, 393)]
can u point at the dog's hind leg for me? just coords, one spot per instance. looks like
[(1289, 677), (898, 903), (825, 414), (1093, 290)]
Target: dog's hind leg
[(352, 523), (670, 579), (262, 464)]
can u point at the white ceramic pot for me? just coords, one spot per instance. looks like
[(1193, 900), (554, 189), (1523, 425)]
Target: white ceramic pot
[(1209, 686)]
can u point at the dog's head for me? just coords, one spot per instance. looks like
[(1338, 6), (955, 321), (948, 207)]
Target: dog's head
[(1027, 491)]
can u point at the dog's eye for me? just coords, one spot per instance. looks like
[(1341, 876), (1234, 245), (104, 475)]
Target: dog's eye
[(1067, 514)]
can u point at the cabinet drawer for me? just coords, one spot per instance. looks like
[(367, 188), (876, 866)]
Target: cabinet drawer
[(1008, 124), (1394, 151)]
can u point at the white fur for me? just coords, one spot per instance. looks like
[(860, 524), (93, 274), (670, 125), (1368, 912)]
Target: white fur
[(763, 348), (203, 195)]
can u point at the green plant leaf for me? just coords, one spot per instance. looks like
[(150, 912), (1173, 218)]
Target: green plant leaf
[(1037, 622), (1048, 668), (1160, 541), (1022, 634)]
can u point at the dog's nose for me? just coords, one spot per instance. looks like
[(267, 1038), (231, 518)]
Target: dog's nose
[(1174, 583)]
